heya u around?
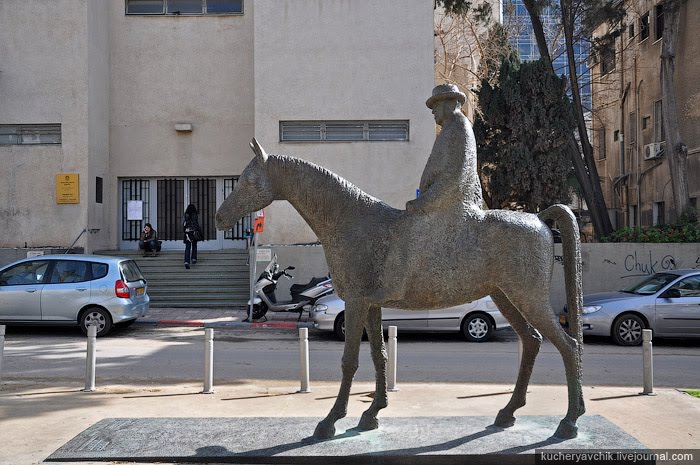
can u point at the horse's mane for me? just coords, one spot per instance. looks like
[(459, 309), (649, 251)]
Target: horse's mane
[(312, 180)]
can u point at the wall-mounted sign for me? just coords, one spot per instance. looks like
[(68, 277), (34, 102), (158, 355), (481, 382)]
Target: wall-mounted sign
[(67, 188), (134, 210), (263, 255)]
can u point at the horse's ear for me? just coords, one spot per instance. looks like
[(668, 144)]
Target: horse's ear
[(258, 150)]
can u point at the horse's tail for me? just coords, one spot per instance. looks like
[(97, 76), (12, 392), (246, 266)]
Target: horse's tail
[(571, 242)]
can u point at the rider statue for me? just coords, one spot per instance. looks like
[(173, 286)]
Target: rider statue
[(449, 190), (450, 179)]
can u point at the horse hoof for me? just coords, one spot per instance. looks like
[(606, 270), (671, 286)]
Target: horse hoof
[(324, 431), (368, 422), (566, 430), (504, 420)]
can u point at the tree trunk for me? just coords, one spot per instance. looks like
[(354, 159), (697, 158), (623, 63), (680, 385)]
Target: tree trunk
[(675, 148), (584, 163)]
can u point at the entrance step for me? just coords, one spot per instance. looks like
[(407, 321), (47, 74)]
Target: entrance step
[(220, 278)]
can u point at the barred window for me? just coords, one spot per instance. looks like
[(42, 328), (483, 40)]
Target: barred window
[(184, 7), (30, 134), (344, 131)]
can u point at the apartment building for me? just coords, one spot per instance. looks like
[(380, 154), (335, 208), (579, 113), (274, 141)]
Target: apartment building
[(122, 112), (628, 132)]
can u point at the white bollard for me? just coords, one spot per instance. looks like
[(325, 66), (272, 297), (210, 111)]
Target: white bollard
[(2, 347), (90, 358), (208, 361), (391, 365), (648, 363), (304, 359)]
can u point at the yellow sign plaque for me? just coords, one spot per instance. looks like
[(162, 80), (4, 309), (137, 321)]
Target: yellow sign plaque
[(67, 188)]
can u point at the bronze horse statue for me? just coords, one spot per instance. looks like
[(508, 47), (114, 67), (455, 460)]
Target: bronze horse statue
[(381, 256)]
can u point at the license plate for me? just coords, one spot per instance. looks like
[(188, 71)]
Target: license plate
[(140, 291), (562, 319)]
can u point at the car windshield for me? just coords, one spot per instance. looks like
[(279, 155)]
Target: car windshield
[(131, 271), (652, 284)]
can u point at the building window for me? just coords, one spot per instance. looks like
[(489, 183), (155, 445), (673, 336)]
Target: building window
[(343, 131), (658, 214), (184, 7), (99, 188), (616, 135), (607, 62), (646, 122), (632, 131), (659, 21), (631, 31), (30, 134), (644, 27), (659, 134), (601, 144)]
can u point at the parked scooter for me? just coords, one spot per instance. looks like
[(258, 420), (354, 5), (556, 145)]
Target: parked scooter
[(303, 296)]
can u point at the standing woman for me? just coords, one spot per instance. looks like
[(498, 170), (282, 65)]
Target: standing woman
[(193, 234)]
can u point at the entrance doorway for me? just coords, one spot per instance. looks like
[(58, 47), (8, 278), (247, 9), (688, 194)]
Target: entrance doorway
[(162, 202)]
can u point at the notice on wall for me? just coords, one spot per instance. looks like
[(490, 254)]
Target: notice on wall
[(134, 210), (67, 188), (263, 255)]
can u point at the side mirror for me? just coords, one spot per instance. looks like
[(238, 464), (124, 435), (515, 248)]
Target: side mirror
[(672, 294)]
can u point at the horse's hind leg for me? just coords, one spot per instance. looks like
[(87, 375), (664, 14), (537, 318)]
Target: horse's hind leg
[(355, 317), (376, 341), (571, 353), (531, 341)]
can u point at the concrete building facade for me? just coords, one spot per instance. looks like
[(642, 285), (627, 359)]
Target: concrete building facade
[(113, 114), (628, 134)]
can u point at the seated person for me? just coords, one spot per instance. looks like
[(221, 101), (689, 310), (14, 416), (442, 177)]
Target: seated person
[(149, 240)]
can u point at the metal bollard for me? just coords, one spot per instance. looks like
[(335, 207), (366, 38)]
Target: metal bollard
[(208, 361), (2, 347), (304, 359), (648, 363), (391, 365), (90, 358)]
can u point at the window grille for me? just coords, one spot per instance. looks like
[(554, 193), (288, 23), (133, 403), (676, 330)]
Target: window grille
[(184, 7), (244, 224), (30, 134), (135, 189), (344, 131)]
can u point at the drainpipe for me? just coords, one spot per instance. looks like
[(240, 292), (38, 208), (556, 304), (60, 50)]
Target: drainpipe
[(638, 219)]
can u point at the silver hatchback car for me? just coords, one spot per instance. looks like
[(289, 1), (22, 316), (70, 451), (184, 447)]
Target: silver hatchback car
[(73, 290), (476, 320), (667, 303)]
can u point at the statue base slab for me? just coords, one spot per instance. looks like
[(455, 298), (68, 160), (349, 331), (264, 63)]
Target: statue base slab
[(399, 440)]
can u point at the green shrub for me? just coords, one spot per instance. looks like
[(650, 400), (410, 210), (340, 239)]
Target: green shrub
[(686, 230)]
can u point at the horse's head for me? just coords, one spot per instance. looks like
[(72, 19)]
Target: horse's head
[(252, 192)]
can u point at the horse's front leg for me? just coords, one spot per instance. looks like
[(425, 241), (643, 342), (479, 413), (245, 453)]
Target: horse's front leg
[(376, 341), (355, 317)]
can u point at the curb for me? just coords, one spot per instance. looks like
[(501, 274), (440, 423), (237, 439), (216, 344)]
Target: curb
[(229, 324)]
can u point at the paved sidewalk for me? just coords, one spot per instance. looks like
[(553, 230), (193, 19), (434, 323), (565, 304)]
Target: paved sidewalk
[(38, 417), (201, 316)]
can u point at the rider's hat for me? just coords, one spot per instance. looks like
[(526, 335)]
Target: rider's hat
[(444, 92)]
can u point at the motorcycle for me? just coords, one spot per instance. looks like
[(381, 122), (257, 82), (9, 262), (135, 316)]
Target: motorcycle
[(303, 296)]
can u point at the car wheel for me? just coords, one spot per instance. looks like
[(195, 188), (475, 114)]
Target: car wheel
[(96, 316), (627, 330), (339, 326), (477, 327)]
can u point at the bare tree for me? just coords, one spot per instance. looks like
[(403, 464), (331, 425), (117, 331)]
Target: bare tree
[(581, 152)]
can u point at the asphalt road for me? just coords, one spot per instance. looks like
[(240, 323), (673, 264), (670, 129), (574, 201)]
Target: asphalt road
[(156, 355)]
